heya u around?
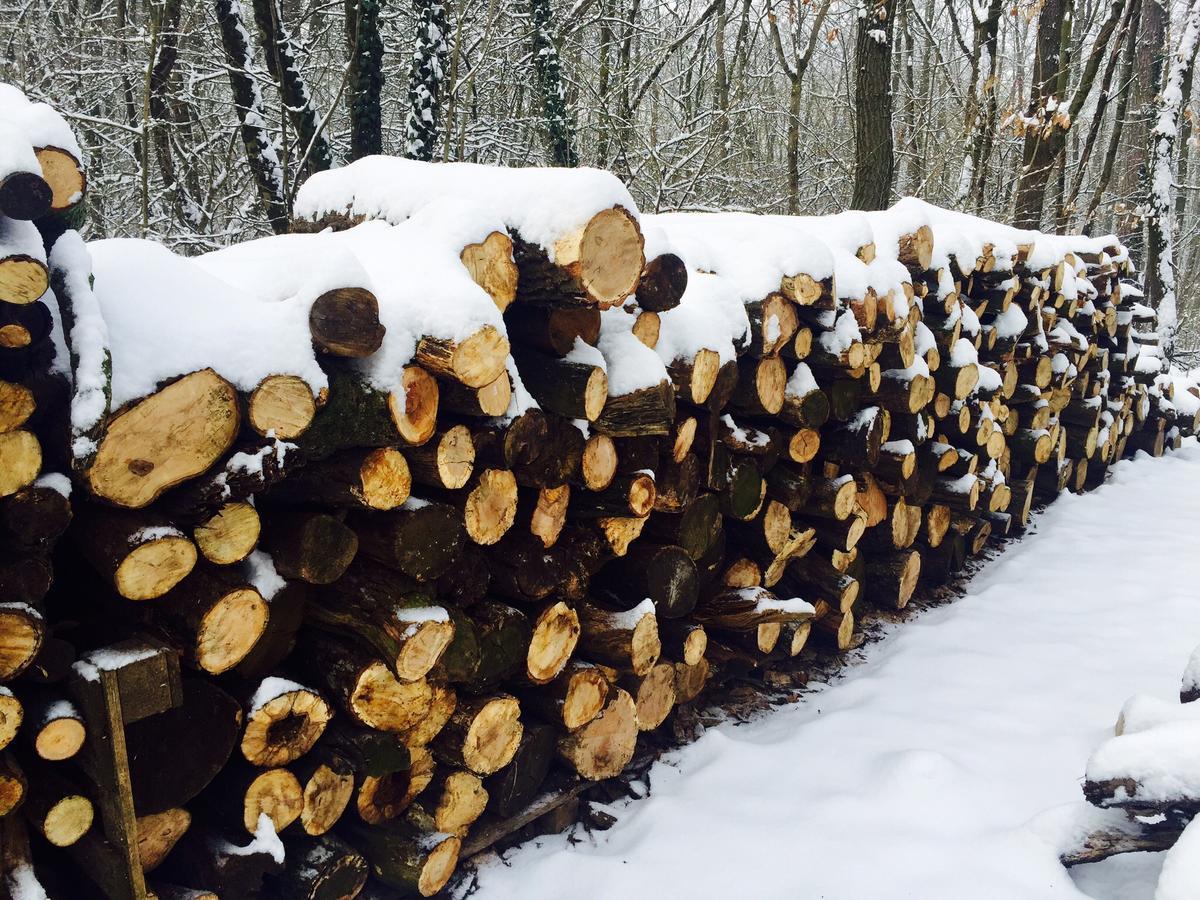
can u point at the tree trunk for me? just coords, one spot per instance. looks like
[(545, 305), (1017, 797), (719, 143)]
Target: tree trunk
[(874, 159)]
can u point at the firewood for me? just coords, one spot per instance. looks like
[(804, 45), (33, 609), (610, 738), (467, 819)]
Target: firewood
[(694, 528), (814, 578), (455, 799), (396, 620), (626, 639), (20, 461), (407, 858), (515, 786), (653, 695), (281, 405), (283, 721), (599, 462), (555, 634), (482, 735), (420, 539), (493, 399), (552, 330), (225, 860), (604, 746), (25, 194), (362, 685), (377, 479), (164, 439), (572, 699), (358, 415), (664, 574), (158, 833), (891, 579), (327, 784), (321, 868), (761, 386), (242, 793), (690, 680), (143, 557), (310, 546), (576, 389), (663, 281), (23, 273), (54, 724), (596, 265), (22, 630), (56, 807), (17, 404), (646, 411)]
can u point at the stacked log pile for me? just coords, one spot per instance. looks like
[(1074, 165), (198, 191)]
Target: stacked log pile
[(476, 478)]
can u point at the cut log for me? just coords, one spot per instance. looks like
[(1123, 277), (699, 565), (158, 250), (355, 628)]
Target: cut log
[(663, 281), (490, 400), (377, 479), (283, 721), (22, 630), (555, 634), (17, 404), (420, 539), (456, 799), (281, 406), (142, 557), (573, 699), (23, 274), (491, 266), (327, 785), (345, 322), (167, 438), (447, 461), (407, 858), (56, 807), (596, 265), (358, 415), (397, 620), (604, 746), (230, 535), (624, 639), (569, 388), (310, 546), (647, 411), (158, 833), (653, 695), (364, 686), (65, 175), (892, 578), (321, 868), (482, 735), (514, 787), (55, 724), (214, 616), (665, 575), (815, 578), (20, 461), (475, 361), (24, 194), (491, 506)]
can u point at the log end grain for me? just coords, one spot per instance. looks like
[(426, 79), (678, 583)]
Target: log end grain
[(169, 437), (555, 635)]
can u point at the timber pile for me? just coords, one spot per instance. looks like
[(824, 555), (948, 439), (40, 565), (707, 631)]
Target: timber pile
[(1145, 780), (474, 480)]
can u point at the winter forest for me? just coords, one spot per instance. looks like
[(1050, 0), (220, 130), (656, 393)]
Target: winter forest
[(1046, 114)]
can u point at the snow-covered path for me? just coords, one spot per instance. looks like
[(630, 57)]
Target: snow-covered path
[(918, 775)]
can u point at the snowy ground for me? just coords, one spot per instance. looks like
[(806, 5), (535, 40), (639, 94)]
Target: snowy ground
[(921, 774)]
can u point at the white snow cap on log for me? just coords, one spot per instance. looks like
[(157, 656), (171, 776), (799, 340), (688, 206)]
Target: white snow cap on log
[(754, 252), (1191, 674), (848, 230), (167, 317), (286, 267), (710, 316), (422, 286), (16, 150), (538, 203), (631, 365), (1180, 875), (1162, 761), (89, 332), (889, 225), (1142, 712), (38, 122)]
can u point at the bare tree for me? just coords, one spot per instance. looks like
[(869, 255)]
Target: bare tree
[(874, 151)]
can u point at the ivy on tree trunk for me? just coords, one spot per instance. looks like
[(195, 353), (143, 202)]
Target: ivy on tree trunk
[(366, 78), (425, 81), (560, 126)]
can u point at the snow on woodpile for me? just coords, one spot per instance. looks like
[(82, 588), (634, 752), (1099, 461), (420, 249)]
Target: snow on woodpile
[(849, 231), (38, 123), (166, 316), (287, 268), (710, 316), (754, 252), (540, 204), (630, 364), (422, 287), (1155, 767)]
